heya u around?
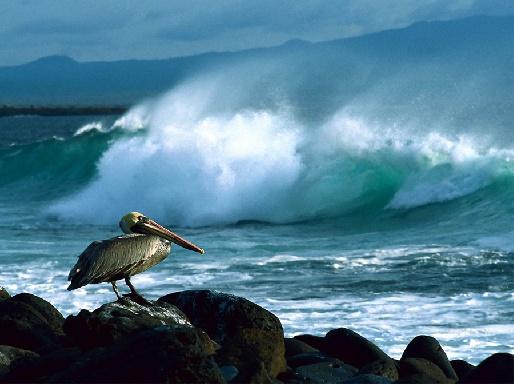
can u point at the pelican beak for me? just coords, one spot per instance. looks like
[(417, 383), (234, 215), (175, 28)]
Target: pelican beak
[(150, 227)]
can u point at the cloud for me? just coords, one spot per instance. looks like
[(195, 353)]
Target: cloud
[(58, 27)]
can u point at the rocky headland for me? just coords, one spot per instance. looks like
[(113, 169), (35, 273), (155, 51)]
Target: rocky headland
[(203, 336)]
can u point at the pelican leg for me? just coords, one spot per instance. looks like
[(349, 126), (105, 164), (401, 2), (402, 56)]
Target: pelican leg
[(132, 289), (135, 293), (115, 289)]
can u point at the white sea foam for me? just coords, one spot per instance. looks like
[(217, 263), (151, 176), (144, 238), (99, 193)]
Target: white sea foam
[(378, 319), (281, 259), (135, 119), (94, 126)]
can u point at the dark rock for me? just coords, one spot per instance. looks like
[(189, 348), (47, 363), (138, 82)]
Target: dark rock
[(291, 377), (316, 342), (497, 368), (295, 347), (173, 354), (257, 373), (326, 373), (4, 294), (112, 321), (311, 358), (229, 372), (422, 369), (9, 355), (423, 379), (248, 334), (461, 367), (29, 322), (32, 370), (427, 347), (385, 368), (47, 310), (352, 348), (367, 379)]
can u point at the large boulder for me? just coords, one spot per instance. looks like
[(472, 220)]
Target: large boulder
[(29, 322), (9, 355), (310, 358), (325, 373), (251, 337), (384, 368), (316, 342), (112, 321), (295, 347), (30, 369), (427, 347), (461, 367), (167, 354), (352, 348), (418, 369), (496, 369)]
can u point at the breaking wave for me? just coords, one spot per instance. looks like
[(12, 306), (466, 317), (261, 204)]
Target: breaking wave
[(193, 166)]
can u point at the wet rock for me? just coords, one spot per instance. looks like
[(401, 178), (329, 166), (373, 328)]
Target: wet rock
[(32, 370), (112, 321), (352, 348), (29, 322), (229, 372), (295, 347), (412, 369), (326, 372), (4, 294), (311, 358), (497, 368), (367, 379), (422, 379), (168, 353), (384, 368), (290, 376), (461, 367), (427, 347), (316, 342), (9, 355), (248, 334)]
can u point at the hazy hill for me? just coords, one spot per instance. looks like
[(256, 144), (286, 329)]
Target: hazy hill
[(439, 57)]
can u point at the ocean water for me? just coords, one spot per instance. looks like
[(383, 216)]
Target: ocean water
[(389, 228)]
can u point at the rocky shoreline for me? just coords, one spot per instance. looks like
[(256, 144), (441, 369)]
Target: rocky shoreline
[(203, 336)]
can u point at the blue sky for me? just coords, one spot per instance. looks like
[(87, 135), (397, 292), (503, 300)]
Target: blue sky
[(116, 30)]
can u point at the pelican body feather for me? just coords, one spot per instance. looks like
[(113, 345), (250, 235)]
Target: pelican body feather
[(116, 258)]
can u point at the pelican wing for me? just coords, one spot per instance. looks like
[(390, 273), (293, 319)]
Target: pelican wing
[(112, 259)]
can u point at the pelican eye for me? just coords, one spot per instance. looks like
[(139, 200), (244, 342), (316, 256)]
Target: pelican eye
[(144, 219)]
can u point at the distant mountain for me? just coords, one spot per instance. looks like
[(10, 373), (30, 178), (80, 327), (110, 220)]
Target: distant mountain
[(339, 70)]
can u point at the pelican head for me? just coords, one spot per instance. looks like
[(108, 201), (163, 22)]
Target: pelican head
[(136, 222)]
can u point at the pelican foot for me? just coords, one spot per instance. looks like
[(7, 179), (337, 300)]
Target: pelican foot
[(136, 298)]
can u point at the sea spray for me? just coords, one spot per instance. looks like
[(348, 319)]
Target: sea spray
[(212, 170)]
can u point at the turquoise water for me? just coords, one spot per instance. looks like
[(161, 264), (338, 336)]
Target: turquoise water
[(340, 222)]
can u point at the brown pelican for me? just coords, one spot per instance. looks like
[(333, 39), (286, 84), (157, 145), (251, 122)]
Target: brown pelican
[(145, 244)]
